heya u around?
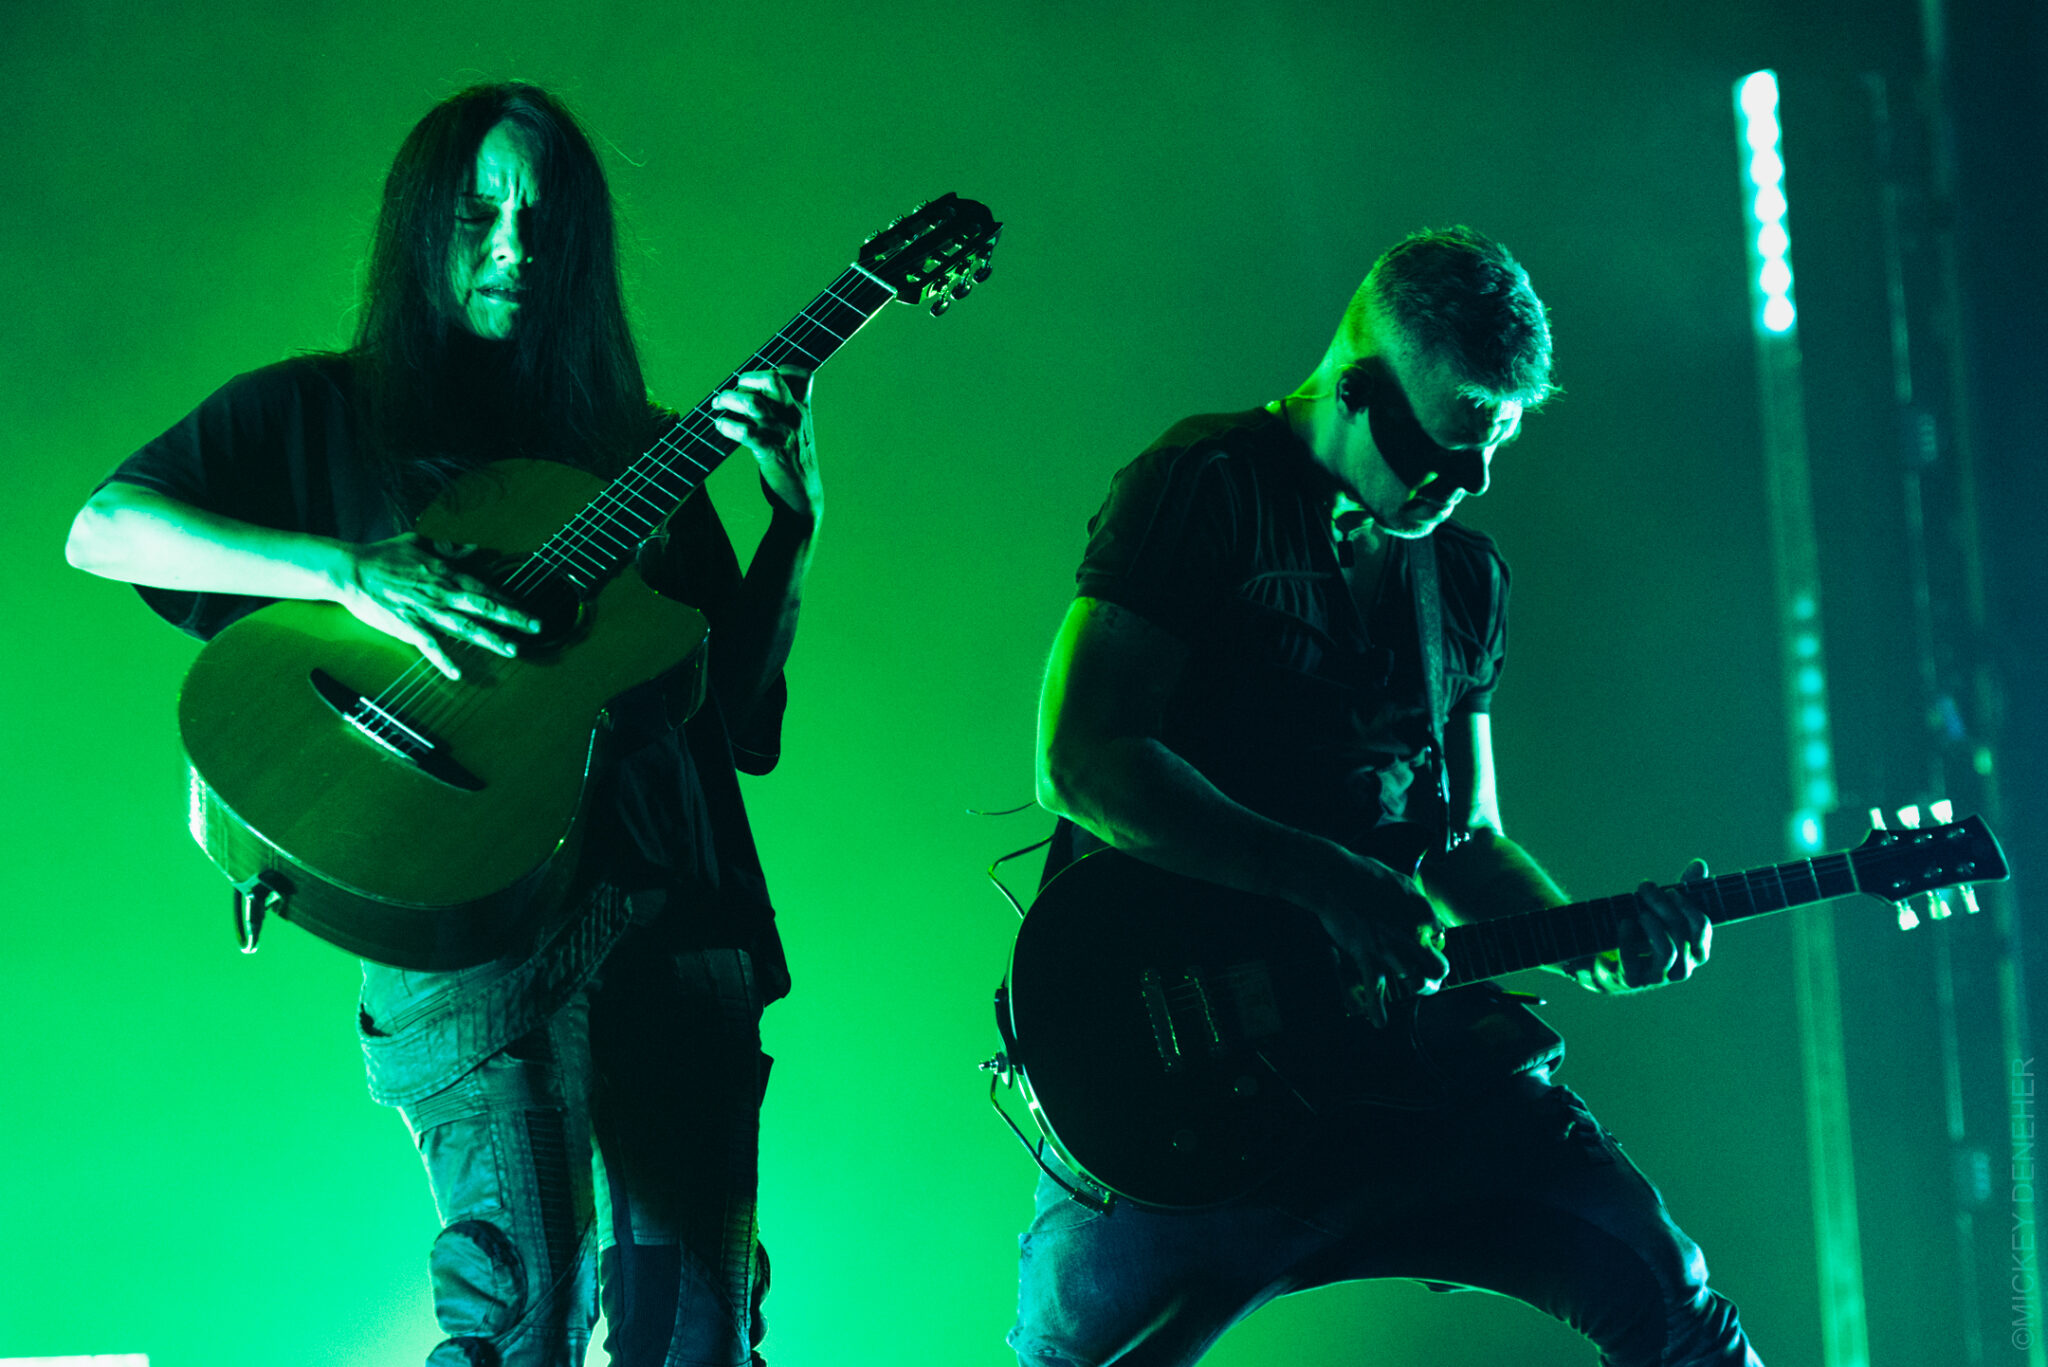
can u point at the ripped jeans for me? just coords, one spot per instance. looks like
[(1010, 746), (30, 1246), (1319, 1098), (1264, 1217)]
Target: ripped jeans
[(1517, 1191), (606, 1156)]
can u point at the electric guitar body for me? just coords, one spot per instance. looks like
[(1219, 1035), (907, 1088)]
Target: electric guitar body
[(1178, 1041)]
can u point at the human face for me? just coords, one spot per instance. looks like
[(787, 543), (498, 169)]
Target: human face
[(1415, 447), (490, 250)]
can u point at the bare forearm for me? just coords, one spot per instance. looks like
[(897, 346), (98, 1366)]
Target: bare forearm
[(404, 587), (133, 534), (1490, 875), (758, 639), (1102, 764), (1136, 794)]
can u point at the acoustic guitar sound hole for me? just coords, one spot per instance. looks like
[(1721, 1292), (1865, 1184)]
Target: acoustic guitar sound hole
[(562, 611)]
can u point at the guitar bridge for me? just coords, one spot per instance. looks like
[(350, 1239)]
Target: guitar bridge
[(383, 728)]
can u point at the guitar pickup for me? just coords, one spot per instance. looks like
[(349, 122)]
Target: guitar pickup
[(1189, 993), (1160, 1014)]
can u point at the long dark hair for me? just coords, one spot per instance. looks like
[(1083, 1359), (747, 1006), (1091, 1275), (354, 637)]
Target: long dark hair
[(567, 385)]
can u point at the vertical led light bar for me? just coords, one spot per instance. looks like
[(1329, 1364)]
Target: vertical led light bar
[(1845, 1338), (1775, 319), (1770, 258)]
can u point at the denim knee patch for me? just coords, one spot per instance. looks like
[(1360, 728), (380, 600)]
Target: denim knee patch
[(479, 1281), (463, 1353)]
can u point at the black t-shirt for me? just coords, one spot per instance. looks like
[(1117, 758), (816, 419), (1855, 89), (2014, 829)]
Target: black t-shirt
[(282, 447), (1292, 701)]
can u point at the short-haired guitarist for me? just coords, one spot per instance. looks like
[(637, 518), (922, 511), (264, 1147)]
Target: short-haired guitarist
[(1242, 693)]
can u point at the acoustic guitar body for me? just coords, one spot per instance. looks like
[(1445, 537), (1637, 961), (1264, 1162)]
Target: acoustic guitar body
[(414, 820), (346, 784)]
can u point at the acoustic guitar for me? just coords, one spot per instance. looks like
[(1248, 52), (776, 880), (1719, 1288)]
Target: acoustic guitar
[(1176, 1040), (342, 782)]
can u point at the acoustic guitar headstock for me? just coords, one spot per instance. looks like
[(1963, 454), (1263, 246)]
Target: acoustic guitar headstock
[(934, 254)]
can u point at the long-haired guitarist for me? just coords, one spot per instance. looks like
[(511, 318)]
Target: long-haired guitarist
[(1259, 671), (491, 327)]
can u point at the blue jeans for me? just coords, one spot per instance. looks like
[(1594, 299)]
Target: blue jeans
[(1517, 1191), (607, 1154)]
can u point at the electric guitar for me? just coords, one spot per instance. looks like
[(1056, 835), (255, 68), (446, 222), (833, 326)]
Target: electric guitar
[(339, 780), (1176, 1040)]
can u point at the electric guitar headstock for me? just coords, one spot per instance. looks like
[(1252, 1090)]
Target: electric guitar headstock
[(935, 254), (1929, 861)]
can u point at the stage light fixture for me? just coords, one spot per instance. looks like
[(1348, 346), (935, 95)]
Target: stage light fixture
[(1771, 257)]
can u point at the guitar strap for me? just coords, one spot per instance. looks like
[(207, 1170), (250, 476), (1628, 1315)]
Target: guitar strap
[(1429, 632), (1429, 628)]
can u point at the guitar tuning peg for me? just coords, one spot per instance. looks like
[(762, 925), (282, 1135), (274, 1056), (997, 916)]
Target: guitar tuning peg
[(1942, 810), (1938, 908), (940, 305), (983, 273), (1969, 896), (1877, 818), (1909, 817), (1908, 918)]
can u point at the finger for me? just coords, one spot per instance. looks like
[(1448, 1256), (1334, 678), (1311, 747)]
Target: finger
[(767, 397), (1670, 908), (786, 381), (465, 611), (1701, 939), (479, 600), (1650, 944), (1414, 970), (757, 411), (767, 382), (1429, 970), (756, 437), (735, 403), (454, 623), (431, 648), (1654, 964)]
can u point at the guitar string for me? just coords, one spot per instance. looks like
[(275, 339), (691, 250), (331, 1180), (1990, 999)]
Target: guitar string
[(613, 506), (425, 695), (430, 700), (424, 680), (616, 500), (1487, 949), (602, 516)]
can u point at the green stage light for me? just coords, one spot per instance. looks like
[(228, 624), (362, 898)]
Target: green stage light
[(1757, 101)]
